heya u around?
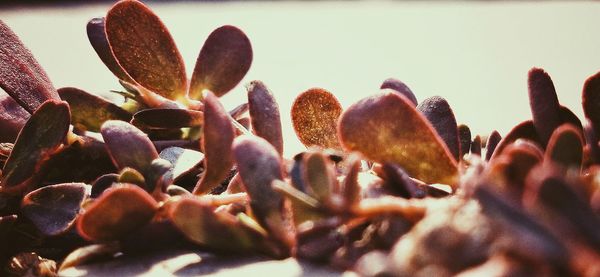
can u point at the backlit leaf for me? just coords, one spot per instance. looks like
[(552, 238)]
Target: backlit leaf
[(264, 114), (400, 87), (315, 113), (89, 111), (97, 37)]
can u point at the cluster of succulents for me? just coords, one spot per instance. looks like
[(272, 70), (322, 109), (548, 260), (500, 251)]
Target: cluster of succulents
[(388, 186)]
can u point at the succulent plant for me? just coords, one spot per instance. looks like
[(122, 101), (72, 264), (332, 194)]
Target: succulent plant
[(388, 186)]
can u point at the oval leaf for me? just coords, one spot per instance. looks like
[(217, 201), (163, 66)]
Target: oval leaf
[(168, 118), (117, 212), (88, 111), (218, 138), (437, 110), (53, 209), (43, 133), (492, 142), (319, 175), (12, 118), (566, 147), (20, 74), (144, 48), (591, 100), (544, 103), (127, 145), (97, 37), (315, 113), (264, 114), (400, 87), (464, 135), (223, 61), (524, 130), (387, 128)]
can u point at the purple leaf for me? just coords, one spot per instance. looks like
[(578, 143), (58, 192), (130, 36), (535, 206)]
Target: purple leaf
[(102, 183), (12, 118), (591, 100), (437, 110), (400, 87), (524, 130), (20, 74), (464, 135), (217, 140), (127, 145), (544, 103), (97, 37), (401, 183), (492, 142), (223, 61), (264, 114), (566, 147), (168, 118)]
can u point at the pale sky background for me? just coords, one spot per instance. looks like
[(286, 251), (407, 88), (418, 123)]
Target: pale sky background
[(475, 54)]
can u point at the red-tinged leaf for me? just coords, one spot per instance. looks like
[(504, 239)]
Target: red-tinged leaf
[(567, 116), (20, 74), (116, 213), (514, 165), (315, 113), (128, 146), (259, 164), (43, 133), (103, 183), (97, 37), (264, 114), (218, 138), (566, 147), (464, 135), (144, 48), (200, 224), (591, 140), (399, 87), (524, 130), (222, 63), (387, 128), (12, 118), (238, 112), (591, 100), (350, 187), (88, 111), (401, 183), (492, 142), (168, 118), (319, 175), (53, 209), (437, 110), (544, 103), (476, 145)]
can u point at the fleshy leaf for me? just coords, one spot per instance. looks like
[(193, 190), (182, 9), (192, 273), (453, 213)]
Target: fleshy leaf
[(544, 103), (567, 116), (315, 113), (492, 142), (464, 135), (515, 163), (591, 140), (183, 160), (566, 147), (12, 118), (217, 140), (88, 111), (387, 128), (524, 130), (90, 253), (259, 164), (97, 37), (476, 145), (102, 183), (400, 87), (350, 186), (144, 48), (401, 183), (20, 74), (53, 209), (264, 114), (168, 118), (200, 224), (128, 146), (591, 100), (43, 133), (222, 63), (319, 175), (117, 212), (437, 110), (239, 111)]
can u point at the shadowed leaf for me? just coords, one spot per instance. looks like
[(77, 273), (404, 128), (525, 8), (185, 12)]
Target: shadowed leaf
[(89, 254), (400, 87), (315, 113), (476, 145), (222, 63), (264, 114), (259, 164), (464, 136), (492, 142), (43, 133), (131, 176), (12, 118), (20, 74), (127, 145), (351, 187), (437, 110), (200, 224), (97, 37), (117, 212), (591, 140), (524, 130), (566, 147), (515, 163), (168, 118), (387, 128), (88, 111), (218, 138), (401, 183), (544, 103), (183, 160), (239, 111), (144, 48), (591, 100), (103, 183), (567, 116), (53, 209), (319, 175)]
